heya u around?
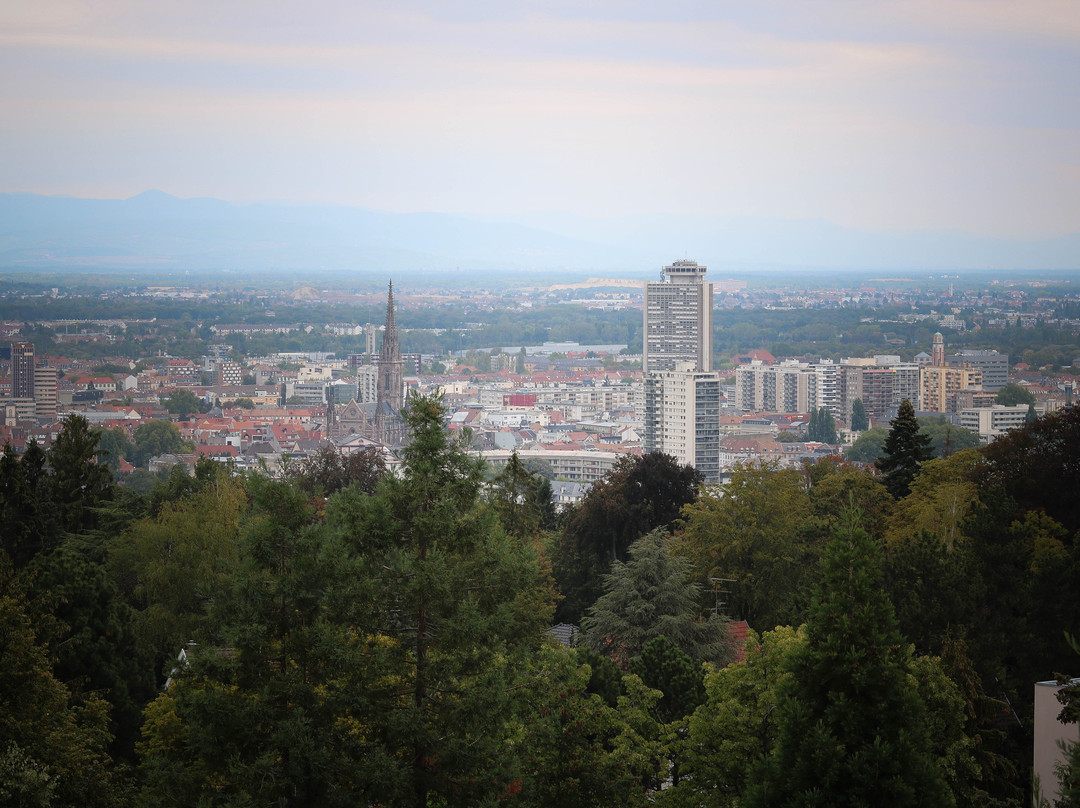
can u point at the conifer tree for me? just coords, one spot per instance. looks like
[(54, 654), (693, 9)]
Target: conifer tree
[(859, 419), (653, 596), (822, 427), (852, 725), (905, 450)]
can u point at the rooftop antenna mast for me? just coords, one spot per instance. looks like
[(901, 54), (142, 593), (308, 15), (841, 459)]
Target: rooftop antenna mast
[(719, 590)]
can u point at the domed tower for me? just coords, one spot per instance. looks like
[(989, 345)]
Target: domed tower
[(937, 353)]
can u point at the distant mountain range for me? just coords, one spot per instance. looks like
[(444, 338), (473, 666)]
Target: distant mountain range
[(157, 231)]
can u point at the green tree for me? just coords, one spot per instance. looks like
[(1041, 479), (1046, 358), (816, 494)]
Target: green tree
[(649, 596), (665, 667), (157, 438), (822, 427), (1012, 394), (852, 725), (859, 418), (905, 450), (758, 536), (836, 485), (736, 725), (51, 751), (174, 565), (79, 484), (462, 607), (509, 494), (639, 495), (578, 750), (940, 500), (328, 471), (1036, 466), (520, 365), (266, 711), (113, 446), (869, 446), (181, 403), (90, 635)]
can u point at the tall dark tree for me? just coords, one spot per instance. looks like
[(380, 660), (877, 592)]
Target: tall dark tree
[(79, 484), (27, 518), (905, 450), (51, 751), (852, 724), (859, 418), (822, 427), (509, 496), (639, 495), (457, 609)]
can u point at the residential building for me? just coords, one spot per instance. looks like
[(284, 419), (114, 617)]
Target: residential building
[(678, 319), (939, 383), (22, 370), (45, 393), (228, 372), (682, 417), (789, 387)]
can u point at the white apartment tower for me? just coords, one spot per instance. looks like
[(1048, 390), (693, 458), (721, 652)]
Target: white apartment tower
[(682, 417), (678, 319)]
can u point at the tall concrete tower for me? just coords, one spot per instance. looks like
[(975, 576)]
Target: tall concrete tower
[(22, 370), (678, 319), (391, 384)]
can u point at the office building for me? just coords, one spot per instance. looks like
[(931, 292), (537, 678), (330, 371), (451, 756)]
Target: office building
[(994, 366), (990, 422), (678, 319), (682, 417)]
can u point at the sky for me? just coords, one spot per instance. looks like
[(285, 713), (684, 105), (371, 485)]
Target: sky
[(944, 115)]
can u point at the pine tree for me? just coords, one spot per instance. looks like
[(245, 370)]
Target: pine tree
[(852, 725), (905, 450)]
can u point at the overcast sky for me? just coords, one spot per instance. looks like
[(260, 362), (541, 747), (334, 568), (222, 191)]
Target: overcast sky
[(945, 114)]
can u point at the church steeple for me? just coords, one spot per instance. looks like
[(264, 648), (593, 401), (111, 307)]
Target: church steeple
[(391, 384), (390, 348)]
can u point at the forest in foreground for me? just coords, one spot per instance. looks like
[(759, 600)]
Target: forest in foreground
[(349, 637)]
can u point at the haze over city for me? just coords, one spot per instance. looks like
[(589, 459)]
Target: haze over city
[(794, 130)]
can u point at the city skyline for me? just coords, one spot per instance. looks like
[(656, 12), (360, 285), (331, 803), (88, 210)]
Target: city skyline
[(945, 117)]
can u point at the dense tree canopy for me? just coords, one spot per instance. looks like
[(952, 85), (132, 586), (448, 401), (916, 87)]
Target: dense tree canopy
[(639, 495), (852, 728)]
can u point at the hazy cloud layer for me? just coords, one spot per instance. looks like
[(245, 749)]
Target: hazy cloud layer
[(898, 115)]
